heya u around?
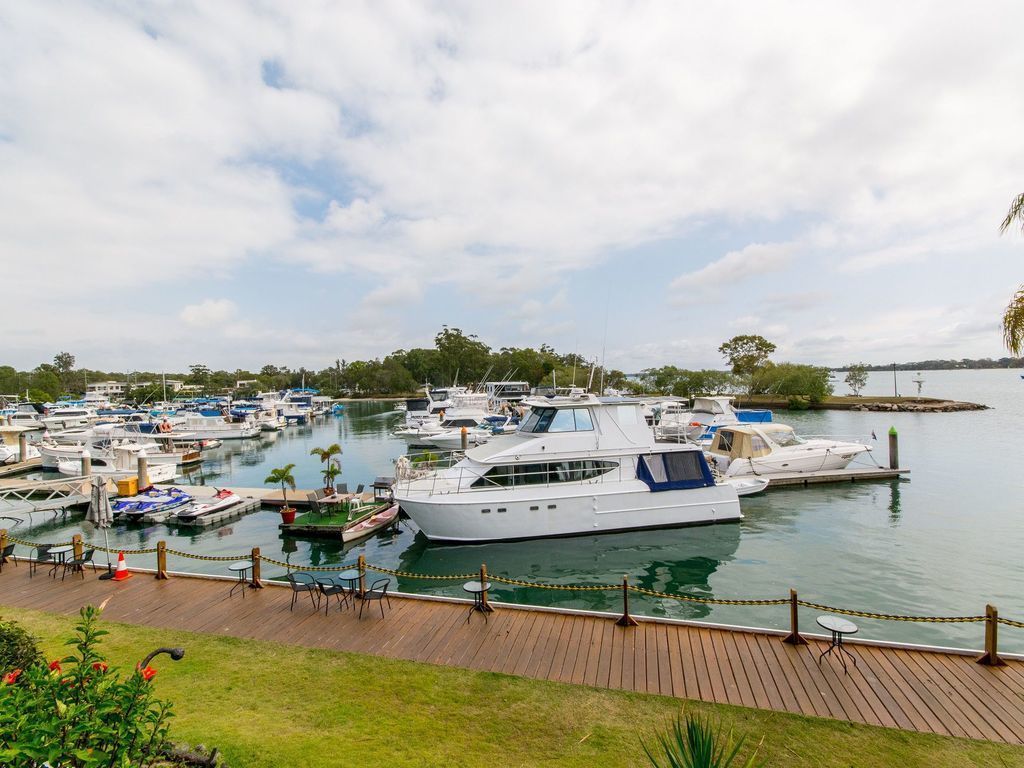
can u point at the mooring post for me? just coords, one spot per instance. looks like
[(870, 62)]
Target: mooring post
[(991, 656), (22, 447), (485, 606), (143, 470), (161, 560), (625, 620), (3, 543), (76, 542), (464, 438), (86, 463), (894, 449), (794, 637), (362, 575), (256, 583)]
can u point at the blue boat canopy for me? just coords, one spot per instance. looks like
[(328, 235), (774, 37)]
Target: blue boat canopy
[(674, 471)]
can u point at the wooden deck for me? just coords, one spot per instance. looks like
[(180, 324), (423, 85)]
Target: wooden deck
[(911, 689)]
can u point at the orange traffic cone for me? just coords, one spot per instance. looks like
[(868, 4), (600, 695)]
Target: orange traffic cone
[(122, 572)]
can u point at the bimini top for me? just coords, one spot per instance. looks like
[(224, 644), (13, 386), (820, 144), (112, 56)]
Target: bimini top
[(749, 442)]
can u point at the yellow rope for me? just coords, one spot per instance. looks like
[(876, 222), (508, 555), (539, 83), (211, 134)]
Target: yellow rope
[(707, 600), (891, 616)]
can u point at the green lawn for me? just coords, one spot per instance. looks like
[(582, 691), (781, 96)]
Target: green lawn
[(267, 704)]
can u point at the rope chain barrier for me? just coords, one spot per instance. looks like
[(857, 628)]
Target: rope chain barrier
[(537, 585)]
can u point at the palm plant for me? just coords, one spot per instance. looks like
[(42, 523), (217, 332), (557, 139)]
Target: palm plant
[(698, 744), (1013, 317), (326, 455), (284, 477)]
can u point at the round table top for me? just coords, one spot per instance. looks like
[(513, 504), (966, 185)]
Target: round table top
[(476, 586), (61, 550), (241, 565), (349, 575), (837, 624)]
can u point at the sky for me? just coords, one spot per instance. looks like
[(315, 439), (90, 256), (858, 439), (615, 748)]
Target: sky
[(241, 183)]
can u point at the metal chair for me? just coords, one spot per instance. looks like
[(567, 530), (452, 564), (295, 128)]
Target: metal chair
[(77, 565), (7, 553), (303, 582), (378, 591), (340, 591), (42, 555)]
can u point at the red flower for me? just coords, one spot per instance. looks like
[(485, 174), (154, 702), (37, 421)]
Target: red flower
[(55, 666), (148, 673), (99, 666), (12, 677)]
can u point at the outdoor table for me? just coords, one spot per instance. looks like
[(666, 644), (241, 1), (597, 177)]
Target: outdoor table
[(59, 557), (351, 576), (838, 627), (478, 591), (240, 567)]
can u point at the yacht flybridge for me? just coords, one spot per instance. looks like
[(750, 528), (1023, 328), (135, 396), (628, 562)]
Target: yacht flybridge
[(577, 465)]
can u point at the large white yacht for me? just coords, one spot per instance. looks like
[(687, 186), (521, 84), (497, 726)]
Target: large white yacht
[(576, 465)]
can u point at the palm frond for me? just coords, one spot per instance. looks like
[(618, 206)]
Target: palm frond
[(1015, 214), (1013, 324)]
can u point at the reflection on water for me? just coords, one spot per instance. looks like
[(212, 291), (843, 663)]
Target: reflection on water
[(921, 546)]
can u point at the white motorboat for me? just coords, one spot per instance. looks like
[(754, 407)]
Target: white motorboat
[(218, 428), (27, 418), (766, 449), (451, 439), (699, 423), (576, 465), (67, 418), (452, 420), (224, 499), (122, 461), (99, 440), (744, 485), (10, 451)]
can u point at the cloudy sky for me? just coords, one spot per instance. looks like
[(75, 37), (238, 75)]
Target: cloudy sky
[(241, 183)]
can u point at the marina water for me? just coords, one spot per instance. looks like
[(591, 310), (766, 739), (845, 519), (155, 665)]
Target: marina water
[(943, 542)]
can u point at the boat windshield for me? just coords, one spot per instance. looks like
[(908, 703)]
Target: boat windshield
[(786, 439), (558, 420)]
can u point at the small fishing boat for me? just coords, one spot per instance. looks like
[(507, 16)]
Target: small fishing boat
[(155, 500), (369, 523), (223, 500)]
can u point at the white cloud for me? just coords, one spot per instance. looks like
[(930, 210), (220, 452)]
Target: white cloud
[(211, 312), (734, 267)]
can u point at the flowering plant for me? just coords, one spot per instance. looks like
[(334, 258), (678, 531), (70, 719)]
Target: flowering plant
[(78, 712)]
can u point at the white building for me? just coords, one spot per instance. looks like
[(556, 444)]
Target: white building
[(105, 388)]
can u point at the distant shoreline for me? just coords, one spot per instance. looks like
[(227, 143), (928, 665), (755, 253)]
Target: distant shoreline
[(915, 404)]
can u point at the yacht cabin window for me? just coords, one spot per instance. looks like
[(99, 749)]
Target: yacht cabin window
[(558, 420), (514, 475), (785, 439), (450, 423)]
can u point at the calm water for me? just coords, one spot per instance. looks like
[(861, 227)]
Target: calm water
[(945, 541)]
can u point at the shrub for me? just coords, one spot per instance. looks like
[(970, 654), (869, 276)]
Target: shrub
[(78, 712), (698, 744), (17, 647)]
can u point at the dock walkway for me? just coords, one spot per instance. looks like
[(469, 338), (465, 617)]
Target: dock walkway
[(919, 690)]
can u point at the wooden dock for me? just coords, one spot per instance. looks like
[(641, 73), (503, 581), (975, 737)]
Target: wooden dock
[(912, 689), (848, 475), (20, 467)]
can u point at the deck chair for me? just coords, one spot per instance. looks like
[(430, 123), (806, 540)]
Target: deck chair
[(77, 565), (42, 556), (303, 582), (314, 504), (378, 591), (8, 553)]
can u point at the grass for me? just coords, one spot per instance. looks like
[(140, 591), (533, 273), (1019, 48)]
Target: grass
[(267, 704), (339, 516)]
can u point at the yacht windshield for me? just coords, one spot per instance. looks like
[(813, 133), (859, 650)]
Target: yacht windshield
[(558, 420), (786, 439)]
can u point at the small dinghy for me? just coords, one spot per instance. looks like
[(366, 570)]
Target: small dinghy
[(222, 500), (151, 501), (369, 523), (745, 486)]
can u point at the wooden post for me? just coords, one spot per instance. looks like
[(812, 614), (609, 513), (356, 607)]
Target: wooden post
[(86, 463), (76, 542), (794, 637), (894, 449), (464, 438), (625, 620), (485, 606), (256, 583), (362, 575), (991, 656), (161, 560), (143, 470), (22, 447)]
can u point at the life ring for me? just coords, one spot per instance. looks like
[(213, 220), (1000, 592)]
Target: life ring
[(165, 427)]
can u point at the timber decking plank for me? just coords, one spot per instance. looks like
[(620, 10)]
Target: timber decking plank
[(913, 689)]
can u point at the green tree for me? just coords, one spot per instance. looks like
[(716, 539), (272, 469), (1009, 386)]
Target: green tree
[(1013, 317), (198, 374), (799, 383), (857, 377), (64, 362), (461, 356), (747, 353), (282, 476), (46, 380), (326, 456)]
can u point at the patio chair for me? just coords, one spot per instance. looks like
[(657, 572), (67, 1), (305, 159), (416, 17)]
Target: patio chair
[(303, 582), (77, 565), (42, 555), (341, 489), (7, 553), (378, 591), (340, 591), (314, 504)]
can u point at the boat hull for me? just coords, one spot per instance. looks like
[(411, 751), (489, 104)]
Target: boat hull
[(512, 515)]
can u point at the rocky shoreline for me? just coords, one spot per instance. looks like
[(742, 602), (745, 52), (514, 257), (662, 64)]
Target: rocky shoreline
[(915, 406), (849, 403)]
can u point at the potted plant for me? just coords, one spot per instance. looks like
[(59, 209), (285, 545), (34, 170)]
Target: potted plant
[(283, 475), (326, 455)]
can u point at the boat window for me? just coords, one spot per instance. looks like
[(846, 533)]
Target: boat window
[(531, 422), (541, 474), (725, 440), (563, 421), (758, 444), (459, 423), (584, 422), (627, 415), (674, 471), (786, 439), (559, 420)]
